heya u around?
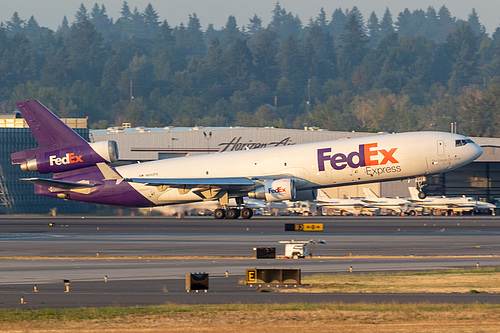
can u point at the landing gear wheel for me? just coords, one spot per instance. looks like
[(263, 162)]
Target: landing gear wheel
[(219, 214), (246, 213), (232, 213), (422, 193), (421, 187)]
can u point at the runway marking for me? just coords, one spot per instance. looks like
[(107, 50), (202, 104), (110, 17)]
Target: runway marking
[(240, 258)]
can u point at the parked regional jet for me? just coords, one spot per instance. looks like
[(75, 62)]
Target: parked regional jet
[(394, 204), (355, 206), (450, 204), (81, 171)]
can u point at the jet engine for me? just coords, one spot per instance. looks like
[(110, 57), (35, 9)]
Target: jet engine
[(72, 158), (306, 195), (275, 190)]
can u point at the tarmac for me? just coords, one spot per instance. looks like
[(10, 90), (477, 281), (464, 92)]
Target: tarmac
[(127, 261)]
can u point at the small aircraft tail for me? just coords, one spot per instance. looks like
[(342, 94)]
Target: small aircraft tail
[(322, 196), (61, 149), (413, 193), (369, 194)]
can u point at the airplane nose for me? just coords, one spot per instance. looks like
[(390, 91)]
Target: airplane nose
[(477, 151)]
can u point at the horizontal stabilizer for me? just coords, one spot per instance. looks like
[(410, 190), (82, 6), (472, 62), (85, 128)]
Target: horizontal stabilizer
[(58, 183), (194, 182)]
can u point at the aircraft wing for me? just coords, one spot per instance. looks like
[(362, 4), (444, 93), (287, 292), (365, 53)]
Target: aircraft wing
[(227, 182), (58, 183)]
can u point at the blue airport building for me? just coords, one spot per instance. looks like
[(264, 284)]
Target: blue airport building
[(16, 196)]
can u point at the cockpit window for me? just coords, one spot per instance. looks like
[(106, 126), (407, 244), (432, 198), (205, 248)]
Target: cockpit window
[(462, 142)]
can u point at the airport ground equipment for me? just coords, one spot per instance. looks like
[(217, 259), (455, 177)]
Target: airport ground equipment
[(197, 281), (299, 249), (303, 226), (273, 276), (264, 252)]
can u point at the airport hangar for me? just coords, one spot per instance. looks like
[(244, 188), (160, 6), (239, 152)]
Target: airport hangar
[(480, 179)]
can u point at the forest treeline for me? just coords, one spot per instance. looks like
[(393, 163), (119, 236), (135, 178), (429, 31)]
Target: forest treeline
[(419, 70)]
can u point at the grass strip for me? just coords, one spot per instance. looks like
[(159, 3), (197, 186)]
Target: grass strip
[(443, 281), (106, 313)]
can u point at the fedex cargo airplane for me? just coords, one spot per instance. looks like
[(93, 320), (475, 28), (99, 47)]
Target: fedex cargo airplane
[(81, 170)]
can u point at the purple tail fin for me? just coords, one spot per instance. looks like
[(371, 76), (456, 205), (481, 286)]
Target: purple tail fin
[(47, 128), (49, 131), (61, 149)]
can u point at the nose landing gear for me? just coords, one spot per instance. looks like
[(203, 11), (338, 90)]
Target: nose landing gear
[(421, 187)]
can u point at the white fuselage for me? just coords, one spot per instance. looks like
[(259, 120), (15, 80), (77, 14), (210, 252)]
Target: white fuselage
[(313, 165)]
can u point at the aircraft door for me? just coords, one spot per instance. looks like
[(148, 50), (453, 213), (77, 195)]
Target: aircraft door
[(440, 147)]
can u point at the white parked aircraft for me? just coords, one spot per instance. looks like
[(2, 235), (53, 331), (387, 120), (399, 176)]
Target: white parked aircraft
[(394, 204), (355, 206), (81, 171), (450, 204)]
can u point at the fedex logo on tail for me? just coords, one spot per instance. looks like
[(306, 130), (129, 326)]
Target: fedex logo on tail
[(69, 158), (367, 155)]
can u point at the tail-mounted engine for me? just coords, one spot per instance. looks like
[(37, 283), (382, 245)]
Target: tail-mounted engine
[(275, 190), (72, 158)]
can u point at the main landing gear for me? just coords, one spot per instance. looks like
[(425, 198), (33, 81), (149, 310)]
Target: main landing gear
[(233, 213)]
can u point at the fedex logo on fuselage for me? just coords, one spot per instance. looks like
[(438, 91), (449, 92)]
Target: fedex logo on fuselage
[(69, 158), (367, 155)]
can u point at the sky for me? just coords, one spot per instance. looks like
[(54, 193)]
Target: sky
[(50, 13)]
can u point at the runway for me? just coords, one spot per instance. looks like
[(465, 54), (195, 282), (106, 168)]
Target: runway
[(146, 259)]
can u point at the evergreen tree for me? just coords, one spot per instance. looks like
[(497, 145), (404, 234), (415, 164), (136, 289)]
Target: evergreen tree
[(239, 65), (195, 36), (321, 20), (446, 24), (403, 23), (81, 15), (318, 54), (24, 64), (100, 19), (291, 64), (337, 25), (463, 44), (284, 24), (265, 50), (63, 30), (230, 33), (386, 25), (110, 80), (255, 25), (85, 52), (150, 18), (353, 48), (431, 27), (213, 65), (15, 24), (373, 30)]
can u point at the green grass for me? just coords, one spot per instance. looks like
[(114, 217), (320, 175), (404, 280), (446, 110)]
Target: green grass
[(106, 313)]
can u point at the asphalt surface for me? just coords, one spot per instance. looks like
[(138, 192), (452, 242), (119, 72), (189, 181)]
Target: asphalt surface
[(139, 277)]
